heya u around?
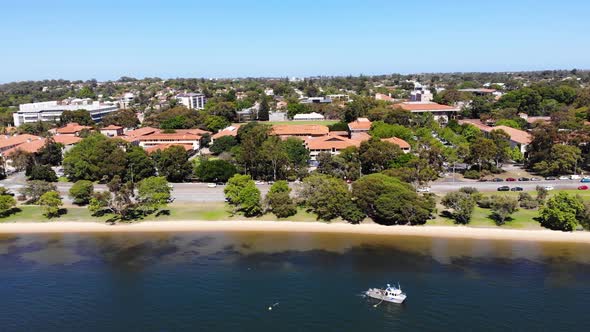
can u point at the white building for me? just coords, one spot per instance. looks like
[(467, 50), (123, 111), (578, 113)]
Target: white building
[(421, 96), (313, 116), (126, 99), (192, 100), (51, 111)]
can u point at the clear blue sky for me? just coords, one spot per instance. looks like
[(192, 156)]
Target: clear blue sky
[(106, 39)]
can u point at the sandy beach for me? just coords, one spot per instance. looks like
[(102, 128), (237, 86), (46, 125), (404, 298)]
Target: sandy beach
[(301, 227)]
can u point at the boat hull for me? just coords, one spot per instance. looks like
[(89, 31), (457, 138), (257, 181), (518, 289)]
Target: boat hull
[(379, 294)]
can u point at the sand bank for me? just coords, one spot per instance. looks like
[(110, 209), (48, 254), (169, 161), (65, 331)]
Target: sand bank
[(301, 227)]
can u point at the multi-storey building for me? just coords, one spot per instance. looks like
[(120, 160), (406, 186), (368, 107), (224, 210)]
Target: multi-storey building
[(50, 111), (192, 100)]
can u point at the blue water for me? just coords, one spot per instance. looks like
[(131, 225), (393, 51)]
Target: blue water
[(227, 281)]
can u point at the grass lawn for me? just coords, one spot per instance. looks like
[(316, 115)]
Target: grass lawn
[(318, 122)]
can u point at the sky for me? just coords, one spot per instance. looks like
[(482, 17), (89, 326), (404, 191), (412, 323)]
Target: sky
[(108, 39)]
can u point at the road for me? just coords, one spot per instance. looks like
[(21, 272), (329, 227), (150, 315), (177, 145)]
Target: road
[(200, 193)]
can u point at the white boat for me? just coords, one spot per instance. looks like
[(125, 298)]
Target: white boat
[(389, 294)]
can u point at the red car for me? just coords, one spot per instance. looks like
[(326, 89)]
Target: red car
[(583, 188), (510, 179)]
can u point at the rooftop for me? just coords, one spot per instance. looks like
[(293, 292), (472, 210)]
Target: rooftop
[(425, 107), (360, 124), (300, 130), (72, 128)]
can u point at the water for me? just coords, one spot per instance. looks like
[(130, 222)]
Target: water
[(227, 281)]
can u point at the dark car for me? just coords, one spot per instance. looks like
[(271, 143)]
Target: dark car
[(551, 178), (524, 179), (482, 180), (511, 179), (497, 180), (504, 188), (516, 189)]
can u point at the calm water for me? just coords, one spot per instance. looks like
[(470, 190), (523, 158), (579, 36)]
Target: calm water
[(227, 281)]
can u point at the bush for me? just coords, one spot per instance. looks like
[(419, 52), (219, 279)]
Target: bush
[(526, 201), (81, 192), (472, 174), (485, 202), (43, 173)]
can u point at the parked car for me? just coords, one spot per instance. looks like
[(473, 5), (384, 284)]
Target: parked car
[(482, 180), (497, 180), (211, 185), (575, 177), (551, 178), (586, 177), (524, 179), (585, 180), (423, 189), (517, 189), (504, 188), (259, 182), (510, 179), (548, 188), (535, 179), (564, 177), (583, 188)]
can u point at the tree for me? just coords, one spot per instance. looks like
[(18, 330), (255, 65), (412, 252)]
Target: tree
[(139, 164), (251, 137), (223, 144), (263, 112), (153, 193), (462, 205), (95, 158), (482, 151), (502, 208), (7, 203), (118, 200), (50, 202), (325, 195), (502, 150), (241, 192), (42, 172), (22, 160), (36, 188), (561, 159), (86, 92), (81, 117), (389, 201), (297, 154), (173, 163), (50, 153), (81, 192), (562, 212), (274, 152), (125, 118), (215, 170), (279, 201), (377, 155)]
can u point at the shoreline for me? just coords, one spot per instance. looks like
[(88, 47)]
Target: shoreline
[(456, 232)]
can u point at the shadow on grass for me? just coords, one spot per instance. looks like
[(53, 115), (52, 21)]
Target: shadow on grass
[(10, 212)]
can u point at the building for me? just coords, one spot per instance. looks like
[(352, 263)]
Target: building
[(228, 131), (299, 130), (192, 100), (339, 97), (50, 111), (126, 99), (439, 111), (277, 116), (360, 125), (534, 119), (384, 97), (332, 144), (518, 138), (10, 142), (191, 137), (421, 96), (313, 116), (405, 146), (316, 100), (72, 129), (112, 131)]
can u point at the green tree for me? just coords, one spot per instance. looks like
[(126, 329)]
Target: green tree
[(482, 151), (274, 152), (81, 192), (376, 155), (81, 117), (139, 164), (125, 118), (50, 153), (297, 154), (502, 208), (7, 203), (223, 144), (389, 201), (215, 170), (279, 201), (561, 159), (249, 156), (50, 202), (263, 112), (95, 158), (86, 92), (153, 193), (462, 205), (241, 192), (35, 189), (215, 123), (173, 163), (43, 172), (562, 212), (325, 195)]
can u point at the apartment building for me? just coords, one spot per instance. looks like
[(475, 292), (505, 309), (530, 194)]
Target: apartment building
[(50, 111), (192, 100)]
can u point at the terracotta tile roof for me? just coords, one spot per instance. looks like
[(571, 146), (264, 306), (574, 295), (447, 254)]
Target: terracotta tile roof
[(8, 141), (425, 107), (71, 128), (66, 139), (192, 131), (30, 147), (343, 133), (141, 132), (362, 136), (169, 136), (516, 135), (112, 127), (360, 124), (228, 131), (162, 147), (299, 130), (397, 141), (330, 142)]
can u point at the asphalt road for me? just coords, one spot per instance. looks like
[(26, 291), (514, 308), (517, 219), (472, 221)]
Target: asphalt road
[(199, 192)]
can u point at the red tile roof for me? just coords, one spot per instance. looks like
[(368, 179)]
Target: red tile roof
[(66, 139), (299, 130), (30, 147), (516, 135), (397, 141), (229, 131), (425, 107), (112, 127), (162, 147), (8, 141), (330, 142), (360, 124), (71, 128), (141, 132)]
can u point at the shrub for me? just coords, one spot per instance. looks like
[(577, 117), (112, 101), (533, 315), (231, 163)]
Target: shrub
[(472, 174)]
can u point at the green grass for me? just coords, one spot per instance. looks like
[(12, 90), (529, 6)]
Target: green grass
[(318, 122)]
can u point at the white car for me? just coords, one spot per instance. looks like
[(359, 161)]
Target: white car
[(564, 177), (259, 182), (211, 185), (586, 177), (548, 188), (575, 177), (423, 189)]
